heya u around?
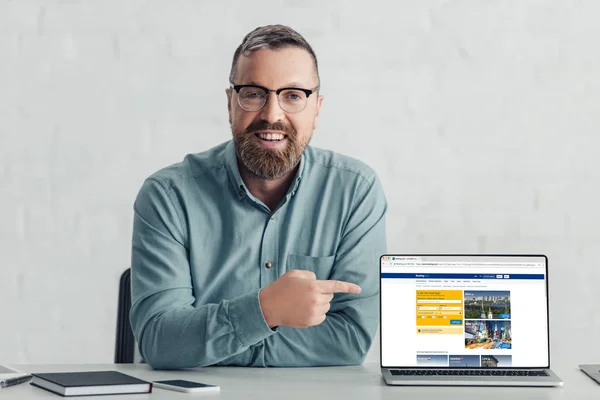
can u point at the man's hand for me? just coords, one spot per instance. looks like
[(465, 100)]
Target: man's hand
[(298, 300)]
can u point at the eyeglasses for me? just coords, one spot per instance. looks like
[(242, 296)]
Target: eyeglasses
[(254, 98)]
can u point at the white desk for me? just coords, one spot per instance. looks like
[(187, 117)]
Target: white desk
[(331, 383)]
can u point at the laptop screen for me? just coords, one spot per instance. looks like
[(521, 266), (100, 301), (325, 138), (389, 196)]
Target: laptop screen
[(464, 311)]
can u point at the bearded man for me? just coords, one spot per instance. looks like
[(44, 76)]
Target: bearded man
[(262, 251)]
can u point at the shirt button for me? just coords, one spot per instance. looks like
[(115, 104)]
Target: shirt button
[(241, 193), (268, 264), (272, 217)]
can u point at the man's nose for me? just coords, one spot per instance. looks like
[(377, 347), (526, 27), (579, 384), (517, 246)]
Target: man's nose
[(272, 112)]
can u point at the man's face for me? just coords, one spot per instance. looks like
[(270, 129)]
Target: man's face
[(270, 141)]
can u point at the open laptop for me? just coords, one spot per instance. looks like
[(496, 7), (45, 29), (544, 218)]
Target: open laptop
[(465, 320)]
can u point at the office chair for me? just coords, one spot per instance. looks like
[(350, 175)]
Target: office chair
[(126, 347)]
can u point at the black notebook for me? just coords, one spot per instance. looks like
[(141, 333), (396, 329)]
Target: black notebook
[(90, 383)]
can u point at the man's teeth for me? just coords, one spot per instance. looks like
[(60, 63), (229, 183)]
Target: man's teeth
[(270, 136)]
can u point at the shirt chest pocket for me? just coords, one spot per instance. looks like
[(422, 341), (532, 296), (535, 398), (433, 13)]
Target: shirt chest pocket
[(321, 266)]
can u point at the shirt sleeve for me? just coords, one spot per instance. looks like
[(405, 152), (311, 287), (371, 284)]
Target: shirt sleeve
[(346, 335), (170, 330)]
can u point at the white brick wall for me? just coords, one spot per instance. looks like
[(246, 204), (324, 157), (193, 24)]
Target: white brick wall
[(481, 119)]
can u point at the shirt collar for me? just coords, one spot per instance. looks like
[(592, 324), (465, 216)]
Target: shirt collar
[(233, 171), (296, 182), (238, 185)]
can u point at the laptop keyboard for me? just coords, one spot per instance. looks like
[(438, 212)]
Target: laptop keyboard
[(467, 372)]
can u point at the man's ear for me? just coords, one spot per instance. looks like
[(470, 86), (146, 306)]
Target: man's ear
[(318, 111), (228, 92)]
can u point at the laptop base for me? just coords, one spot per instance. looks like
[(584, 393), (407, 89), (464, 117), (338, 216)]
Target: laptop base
[(550, 380)]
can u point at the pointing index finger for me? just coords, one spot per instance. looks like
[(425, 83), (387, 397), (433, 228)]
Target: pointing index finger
[(333, 286)]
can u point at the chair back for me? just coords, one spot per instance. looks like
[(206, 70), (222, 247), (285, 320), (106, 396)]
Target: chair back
[(126, 348)]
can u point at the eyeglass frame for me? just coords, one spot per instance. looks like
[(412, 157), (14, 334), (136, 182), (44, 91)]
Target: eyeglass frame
[(308, 92)]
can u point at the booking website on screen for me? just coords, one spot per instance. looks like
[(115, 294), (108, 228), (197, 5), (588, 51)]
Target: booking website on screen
[(464, 311)]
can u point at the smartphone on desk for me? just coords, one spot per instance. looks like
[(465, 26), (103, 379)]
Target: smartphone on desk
[(181, 385)]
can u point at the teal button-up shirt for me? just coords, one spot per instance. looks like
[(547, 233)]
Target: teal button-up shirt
[(203, 247)]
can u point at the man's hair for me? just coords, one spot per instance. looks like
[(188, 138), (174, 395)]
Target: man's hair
[(273, 37)]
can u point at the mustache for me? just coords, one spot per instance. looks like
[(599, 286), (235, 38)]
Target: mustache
[(265, 126)]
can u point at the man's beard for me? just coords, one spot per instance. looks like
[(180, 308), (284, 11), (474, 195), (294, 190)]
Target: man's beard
[(268, 163)]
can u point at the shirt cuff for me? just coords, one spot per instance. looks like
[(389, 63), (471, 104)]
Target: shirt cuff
[(248, 320)]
